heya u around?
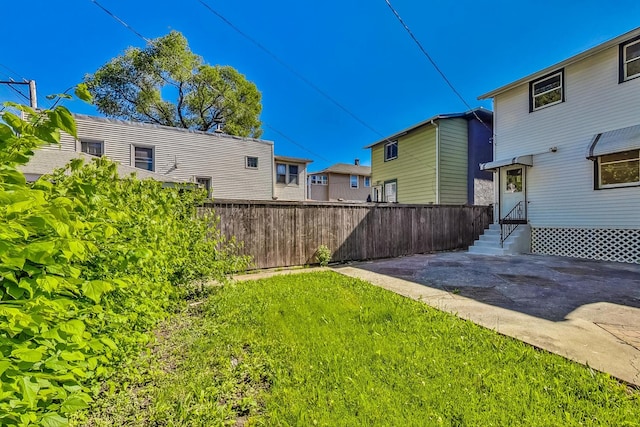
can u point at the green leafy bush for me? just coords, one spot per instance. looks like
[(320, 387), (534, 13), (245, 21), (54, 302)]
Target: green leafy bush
[(88, 263), (323, 255)]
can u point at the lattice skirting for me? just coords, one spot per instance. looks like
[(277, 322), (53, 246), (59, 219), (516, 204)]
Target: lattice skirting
[(621, 245)]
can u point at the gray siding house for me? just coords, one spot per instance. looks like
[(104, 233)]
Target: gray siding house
[(229, 167)]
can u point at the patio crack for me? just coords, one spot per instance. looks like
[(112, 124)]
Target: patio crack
[(627, 334)]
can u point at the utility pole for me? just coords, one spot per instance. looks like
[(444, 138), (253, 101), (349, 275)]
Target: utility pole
[(33, 100)]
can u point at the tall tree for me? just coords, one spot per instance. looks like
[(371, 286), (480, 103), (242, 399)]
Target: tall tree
[(167, 84)]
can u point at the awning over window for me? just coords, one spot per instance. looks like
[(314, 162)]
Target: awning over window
[(615, 141), (526, 160)]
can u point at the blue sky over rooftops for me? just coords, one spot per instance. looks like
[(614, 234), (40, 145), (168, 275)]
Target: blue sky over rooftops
[(354, 51)]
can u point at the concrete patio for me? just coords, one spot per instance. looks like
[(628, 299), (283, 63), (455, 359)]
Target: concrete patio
[(587, 311)]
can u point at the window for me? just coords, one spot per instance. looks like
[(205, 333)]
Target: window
[(319, 179), (287, 174), (252, 163), (143, 157), (353, 181), (293, 174), (391, 151), (281, 173), (619, 169), (204, 182), (367, 181), (93, 148), (513, 182), (630, 60), (547, 91)]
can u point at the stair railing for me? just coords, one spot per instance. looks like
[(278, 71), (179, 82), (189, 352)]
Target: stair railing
[(511, 221)]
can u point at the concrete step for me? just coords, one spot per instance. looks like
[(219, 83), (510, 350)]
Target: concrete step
[(487, 243), (486, 250)]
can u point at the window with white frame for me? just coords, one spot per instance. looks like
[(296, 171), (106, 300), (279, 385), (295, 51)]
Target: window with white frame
[(630, 60), (546, 91), (353, 181), (93, 148), (619, 169), (319, 179), (281, 173), (287, 174), (367, 181), (391, 151), (143, 157), (293, 175), (251, 162)]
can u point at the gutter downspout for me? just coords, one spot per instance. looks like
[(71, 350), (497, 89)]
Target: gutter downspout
[(437, 125), (273, 175)]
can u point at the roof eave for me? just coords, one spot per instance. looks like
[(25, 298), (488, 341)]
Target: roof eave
[(587, 53), (425, 123)]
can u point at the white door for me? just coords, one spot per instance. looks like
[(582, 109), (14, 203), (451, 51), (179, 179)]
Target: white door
[(512, 189), (390, 192), (377, 193)]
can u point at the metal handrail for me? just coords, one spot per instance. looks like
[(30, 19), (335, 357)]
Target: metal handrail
[(511, 221)]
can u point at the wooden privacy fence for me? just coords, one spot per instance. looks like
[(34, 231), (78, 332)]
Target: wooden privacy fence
[(279, 234)]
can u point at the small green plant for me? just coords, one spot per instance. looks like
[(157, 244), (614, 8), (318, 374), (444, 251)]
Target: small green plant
[(323, 255)]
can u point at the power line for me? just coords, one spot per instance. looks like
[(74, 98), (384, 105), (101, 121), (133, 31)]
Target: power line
[(295, 143), (10, 86), (424, 51), (291, 69), (148, 41), (127, 26), (12, 71)]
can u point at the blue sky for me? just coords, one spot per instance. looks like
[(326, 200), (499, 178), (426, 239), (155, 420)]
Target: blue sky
[(354, 50)]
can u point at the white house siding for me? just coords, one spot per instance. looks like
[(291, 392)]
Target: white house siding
[(560, 185), (292, 191), (197, 154)]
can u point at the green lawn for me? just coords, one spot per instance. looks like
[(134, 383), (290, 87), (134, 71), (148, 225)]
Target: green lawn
[(327, 350)]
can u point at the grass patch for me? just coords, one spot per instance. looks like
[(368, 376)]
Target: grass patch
[(323, 349)]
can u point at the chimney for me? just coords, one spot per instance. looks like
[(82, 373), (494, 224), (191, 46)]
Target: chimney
[(357, 162)]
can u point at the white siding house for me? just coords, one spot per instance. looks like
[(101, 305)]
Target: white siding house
[(231, 167), (290, 178), (566, 150)]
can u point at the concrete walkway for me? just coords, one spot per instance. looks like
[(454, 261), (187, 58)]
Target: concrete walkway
[(587, 311)]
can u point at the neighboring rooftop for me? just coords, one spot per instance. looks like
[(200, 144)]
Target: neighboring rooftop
[(484, 114), (579, 57), (347, 169), (170, 128), (291, 159)]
